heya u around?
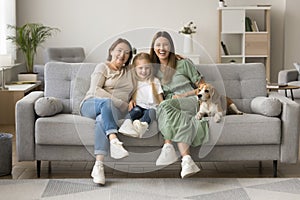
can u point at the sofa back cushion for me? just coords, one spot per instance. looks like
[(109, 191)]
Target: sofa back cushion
[(64, 54), (69, 82), (240, 82)]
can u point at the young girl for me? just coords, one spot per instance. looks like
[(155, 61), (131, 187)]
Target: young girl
[(148, 95)]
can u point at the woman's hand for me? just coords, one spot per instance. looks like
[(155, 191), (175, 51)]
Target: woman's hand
[(177, 96), (131, 105)]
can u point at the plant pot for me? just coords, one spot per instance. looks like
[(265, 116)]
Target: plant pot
[(27, 77)]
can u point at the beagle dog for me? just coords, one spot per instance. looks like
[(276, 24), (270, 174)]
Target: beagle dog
[(210, 103)]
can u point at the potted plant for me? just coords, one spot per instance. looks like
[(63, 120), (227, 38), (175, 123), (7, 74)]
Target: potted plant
[(187, 30), (28, 38)]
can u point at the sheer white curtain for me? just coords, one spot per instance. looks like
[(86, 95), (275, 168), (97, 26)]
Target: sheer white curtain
[(7, 16)]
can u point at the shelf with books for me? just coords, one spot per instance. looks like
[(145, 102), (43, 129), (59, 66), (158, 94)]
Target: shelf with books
[(245, 33), (232, 44), (232, 59)]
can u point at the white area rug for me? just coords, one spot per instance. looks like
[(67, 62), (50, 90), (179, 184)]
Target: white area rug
[(154, 189)]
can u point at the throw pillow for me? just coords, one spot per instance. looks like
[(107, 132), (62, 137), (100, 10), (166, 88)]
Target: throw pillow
[(266, 106), (48, 106)]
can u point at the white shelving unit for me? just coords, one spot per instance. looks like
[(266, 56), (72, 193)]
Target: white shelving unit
[(242, 44)]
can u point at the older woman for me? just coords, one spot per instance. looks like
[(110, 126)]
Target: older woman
[(177, 123), (106, 101)]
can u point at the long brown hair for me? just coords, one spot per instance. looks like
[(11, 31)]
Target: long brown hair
[(113, 46), (172, 60), (145, 56)]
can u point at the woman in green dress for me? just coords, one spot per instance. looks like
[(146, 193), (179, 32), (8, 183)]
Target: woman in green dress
[(176, 114)]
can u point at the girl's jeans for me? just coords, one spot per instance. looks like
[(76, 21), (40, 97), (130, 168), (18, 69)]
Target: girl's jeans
[(106, 115), (145, 115)]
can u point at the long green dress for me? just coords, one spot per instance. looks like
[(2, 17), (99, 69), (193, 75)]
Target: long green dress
[(176, 117)]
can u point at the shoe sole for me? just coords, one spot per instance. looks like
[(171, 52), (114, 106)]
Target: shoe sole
[(164, 164), (119, 157), (100, 183), (192, 173), (128, 134)]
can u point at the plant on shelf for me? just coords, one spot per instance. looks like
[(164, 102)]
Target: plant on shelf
[(28, 38), (189, 28)]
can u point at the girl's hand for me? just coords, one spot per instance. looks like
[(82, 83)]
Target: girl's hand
[(131, 105)]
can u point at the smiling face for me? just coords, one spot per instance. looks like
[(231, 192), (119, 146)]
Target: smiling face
[(162, 49), (120, 55), (143, 69)]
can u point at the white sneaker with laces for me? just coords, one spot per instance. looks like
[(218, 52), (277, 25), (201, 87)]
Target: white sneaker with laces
[(128, 129), (140, 127), (167, 155), (117, 150), (98, 173), (188, 167)]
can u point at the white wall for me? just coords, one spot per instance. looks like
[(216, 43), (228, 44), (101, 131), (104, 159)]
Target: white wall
[(292, 34), (89, 23)]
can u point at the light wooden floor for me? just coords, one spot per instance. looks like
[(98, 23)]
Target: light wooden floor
[(27, 170)]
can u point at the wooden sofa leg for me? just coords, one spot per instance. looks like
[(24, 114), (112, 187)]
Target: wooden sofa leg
[(38, 168), (275, 162)]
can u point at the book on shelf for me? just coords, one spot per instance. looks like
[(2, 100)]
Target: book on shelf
[(225, 50), (275, 85), (254, 26), (248, 24), (272, 86)]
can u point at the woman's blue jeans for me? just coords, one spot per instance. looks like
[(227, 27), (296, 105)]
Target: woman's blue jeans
[(106, 115)]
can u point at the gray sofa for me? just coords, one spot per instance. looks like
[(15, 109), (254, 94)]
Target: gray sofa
[(69, 136), (59, 54)]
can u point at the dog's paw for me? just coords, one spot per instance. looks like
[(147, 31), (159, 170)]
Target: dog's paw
[(217, 118), (239, 113), (198, 116)]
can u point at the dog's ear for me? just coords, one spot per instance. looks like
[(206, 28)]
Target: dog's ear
[(215, 97), (201, 86)]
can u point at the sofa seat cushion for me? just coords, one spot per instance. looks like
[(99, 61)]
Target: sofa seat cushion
[(250, 129), (64, 129), (68, 129)]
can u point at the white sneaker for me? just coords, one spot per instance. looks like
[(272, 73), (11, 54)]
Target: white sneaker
[(188, 167), (117, 150), (140, 127), (98, 173), (128, 129), (167, 155)]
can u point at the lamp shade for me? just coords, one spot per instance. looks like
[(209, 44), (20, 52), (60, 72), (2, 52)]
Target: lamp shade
[(5, 60)]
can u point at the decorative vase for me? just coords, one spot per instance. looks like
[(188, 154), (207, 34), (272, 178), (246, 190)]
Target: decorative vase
[(27, 77), (188, 44)]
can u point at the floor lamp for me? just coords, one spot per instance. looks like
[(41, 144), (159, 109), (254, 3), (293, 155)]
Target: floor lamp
[(5, 63)]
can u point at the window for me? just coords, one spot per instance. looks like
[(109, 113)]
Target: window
[(7, 16)]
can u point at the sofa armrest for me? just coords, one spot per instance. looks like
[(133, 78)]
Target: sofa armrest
[(285, 76), (290, 129), (25, 122)]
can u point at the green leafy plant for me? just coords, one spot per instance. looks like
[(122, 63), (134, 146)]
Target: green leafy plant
[(28, 38)]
